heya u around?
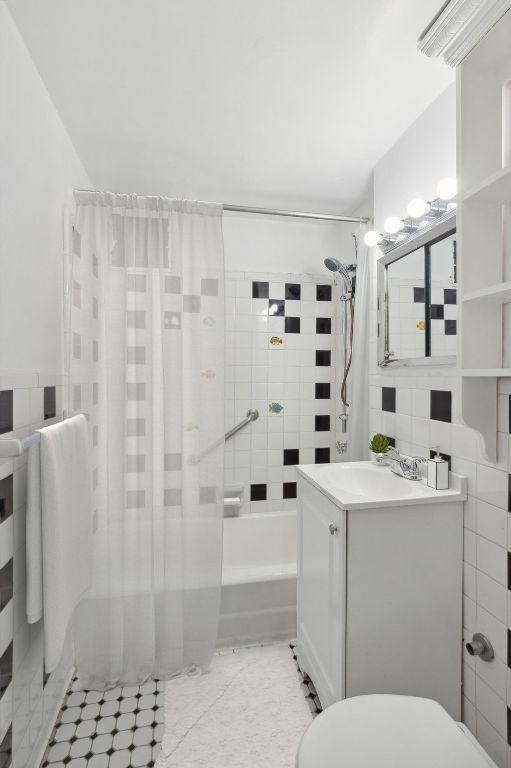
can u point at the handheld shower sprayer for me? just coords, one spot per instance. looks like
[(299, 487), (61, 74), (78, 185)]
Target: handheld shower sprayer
[(334, 265)]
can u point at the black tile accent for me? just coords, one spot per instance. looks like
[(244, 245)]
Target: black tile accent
[(6, 749), (291, 456), (418, 295), (322, 423), (322, 456), (292, 325), (509, 413), (324, 357), (6, 411), (46, 677), (437, 311), (276, 307), (258, 492), (50, 402), (293, 291), (323, 325), (6, 584), (444, 456), (323, 293), (392, 441), (450, 327), (6, 669), (509, 570), (388, 399), (6, 507), (289, 490), (449, 295), (440, 407), (508, 726), (260, 290), (322, 391)]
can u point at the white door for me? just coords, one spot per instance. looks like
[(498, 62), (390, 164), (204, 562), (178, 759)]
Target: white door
[(321, 591)]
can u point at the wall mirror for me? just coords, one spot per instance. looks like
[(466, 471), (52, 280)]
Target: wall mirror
[(417, 299)]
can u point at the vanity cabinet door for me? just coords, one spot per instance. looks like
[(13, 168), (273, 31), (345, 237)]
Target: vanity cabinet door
[(321, 591)]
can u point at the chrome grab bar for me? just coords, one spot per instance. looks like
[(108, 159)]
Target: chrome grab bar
[(252, 415)]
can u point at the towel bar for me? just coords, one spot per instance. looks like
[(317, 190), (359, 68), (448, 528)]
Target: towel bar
[(10, 447)]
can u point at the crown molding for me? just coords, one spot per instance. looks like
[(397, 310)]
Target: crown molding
[(459, 27)]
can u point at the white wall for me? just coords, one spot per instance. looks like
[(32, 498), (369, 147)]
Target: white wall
[(277, 244), (411, 168), (420, 158), (38, 170)]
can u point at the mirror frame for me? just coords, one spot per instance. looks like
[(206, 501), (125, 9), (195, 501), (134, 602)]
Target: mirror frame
[(428, 234)]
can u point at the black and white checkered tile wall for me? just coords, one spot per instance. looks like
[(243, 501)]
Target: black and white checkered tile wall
[(280, 359)]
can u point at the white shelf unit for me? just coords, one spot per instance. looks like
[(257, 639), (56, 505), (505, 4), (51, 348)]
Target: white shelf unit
[(484, 228)]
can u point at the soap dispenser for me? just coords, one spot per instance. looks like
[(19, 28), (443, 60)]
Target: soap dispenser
[(438, 472)]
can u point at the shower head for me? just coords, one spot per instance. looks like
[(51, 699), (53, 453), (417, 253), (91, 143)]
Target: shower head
[(334, 265)]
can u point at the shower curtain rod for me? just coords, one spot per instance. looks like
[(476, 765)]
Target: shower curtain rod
[(280, 212)]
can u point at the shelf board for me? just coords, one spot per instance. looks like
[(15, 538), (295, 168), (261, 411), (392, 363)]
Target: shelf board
[(486, 372), (493, 294), (494, 189)]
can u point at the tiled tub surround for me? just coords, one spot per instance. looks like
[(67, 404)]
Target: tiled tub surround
[(421, 409), (282, 333), (29, 699)]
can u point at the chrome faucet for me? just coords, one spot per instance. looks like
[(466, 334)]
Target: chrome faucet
[(405, 466)]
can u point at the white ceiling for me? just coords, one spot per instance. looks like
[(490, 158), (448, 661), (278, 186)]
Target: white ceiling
[(284, 103)]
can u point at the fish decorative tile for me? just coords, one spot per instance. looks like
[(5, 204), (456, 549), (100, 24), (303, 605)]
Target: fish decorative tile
[(275, 408), (276, 341), (209, 321), (421, 325), (209, 374)]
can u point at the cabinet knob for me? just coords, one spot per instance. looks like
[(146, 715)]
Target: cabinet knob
[(333, 529)]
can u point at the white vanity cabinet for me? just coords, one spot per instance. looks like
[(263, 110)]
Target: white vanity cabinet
[(380, 591)]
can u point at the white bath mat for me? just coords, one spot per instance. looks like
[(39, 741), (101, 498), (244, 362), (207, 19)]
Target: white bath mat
[(247, 712)]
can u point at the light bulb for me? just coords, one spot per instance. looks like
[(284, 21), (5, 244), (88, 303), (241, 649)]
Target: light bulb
[(447, 189), (417, 208), (372, 238), (392, 225)]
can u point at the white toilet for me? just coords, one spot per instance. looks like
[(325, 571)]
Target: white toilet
[(384, 731)]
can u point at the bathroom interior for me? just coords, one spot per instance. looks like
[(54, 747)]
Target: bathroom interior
[(255, 384)]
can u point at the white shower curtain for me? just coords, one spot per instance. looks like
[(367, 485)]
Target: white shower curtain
[(146, 362), (358, 390)]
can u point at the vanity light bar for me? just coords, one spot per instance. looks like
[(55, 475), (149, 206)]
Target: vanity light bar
[(420, 212)]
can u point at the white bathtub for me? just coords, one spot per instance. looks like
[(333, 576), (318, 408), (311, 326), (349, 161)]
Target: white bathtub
[(258, 579)]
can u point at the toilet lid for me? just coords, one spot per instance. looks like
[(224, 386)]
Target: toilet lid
[(387, 731)]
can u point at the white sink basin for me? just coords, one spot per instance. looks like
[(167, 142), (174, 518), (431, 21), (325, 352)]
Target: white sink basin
[(363, 484)]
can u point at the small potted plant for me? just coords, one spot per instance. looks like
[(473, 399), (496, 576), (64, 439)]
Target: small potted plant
[(379, 446)]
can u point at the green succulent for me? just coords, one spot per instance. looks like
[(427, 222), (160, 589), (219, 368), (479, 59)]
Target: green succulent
[(379, 444)]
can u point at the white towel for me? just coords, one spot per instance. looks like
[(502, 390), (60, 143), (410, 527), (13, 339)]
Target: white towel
[(59, 529)]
